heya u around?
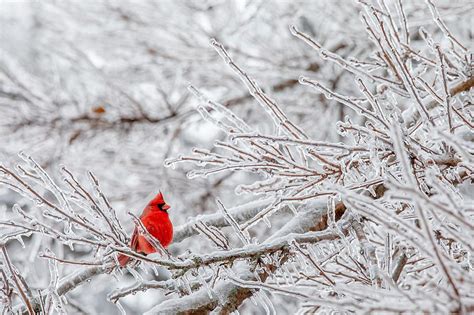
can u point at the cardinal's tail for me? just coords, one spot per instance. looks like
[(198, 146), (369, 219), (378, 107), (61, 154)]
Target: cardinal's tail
[(123, 260)]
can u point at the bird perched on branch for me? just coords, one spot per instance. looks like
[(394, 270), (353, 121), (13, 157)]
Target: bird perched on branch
[(156, 220)]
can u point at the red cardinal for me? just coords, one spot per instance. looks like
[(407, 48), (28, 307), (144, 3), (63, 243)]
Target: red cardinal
[(157, 222)]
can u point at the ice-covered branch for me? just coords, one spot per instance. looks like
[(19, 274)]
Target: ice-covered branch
[(231, 295)]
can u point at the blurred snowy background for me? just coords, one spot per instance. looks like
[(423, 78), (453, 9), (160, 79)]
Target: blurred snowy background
[(102, 86)]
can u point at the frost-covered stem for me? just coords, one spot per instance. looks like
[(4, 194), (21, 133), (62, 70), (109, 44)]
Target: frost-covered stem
[(401, 12), (347, 65), (71, 262), (15, 234), (400, 150), (447, 97), (369, 253), (272, 207), (411, 118), (280, 156), (314, 263), (14, 275), (235, 226), (119, 230), (406, 76), (28, 188), (70, 282), (213, 234), (378, 41), (400, 262), (238, 122), (43, 176), (95, 206), (259, 95), (39, 227), (443, 27), (463, 118), (436, 205), (168, 285), (428, 230), (393, 28), (374, 102), (6, 291), (429, 89), (293, 141), (240, 214), (343, 100)]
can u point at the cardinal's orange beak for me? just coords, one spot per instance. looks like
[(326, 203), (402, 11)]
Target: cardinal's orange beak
[(165, 207)]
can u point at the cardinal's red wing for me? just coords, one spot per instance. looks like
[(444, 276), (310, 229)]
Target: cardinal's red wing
[(161, 229), (151, 228), (134, 241), (143, 244)]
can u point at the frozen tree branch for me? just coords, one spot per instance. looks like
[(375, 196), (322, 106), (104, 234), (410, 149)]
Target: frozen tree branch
[(15, 276), (230, 296)]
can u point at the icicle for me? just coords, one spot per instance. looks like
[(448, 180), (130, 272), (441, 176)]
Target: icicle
[(68, 228), (253, 299), (267, 221), (259, 298), (388, 253), (268, 302), (288, 275), (205, 285), (186, 284), (134, 273), (371, 190), (243, 238), (120, 308), (20, 240), (293, 209), (295, 269), (155, 270), (302, 262)]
